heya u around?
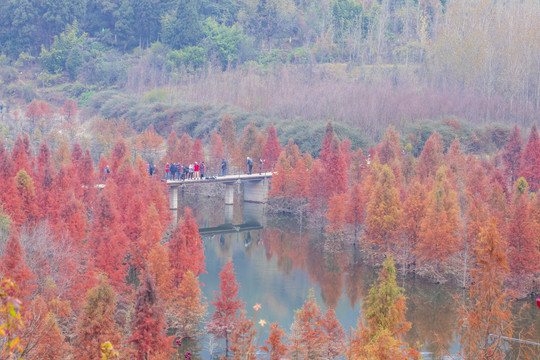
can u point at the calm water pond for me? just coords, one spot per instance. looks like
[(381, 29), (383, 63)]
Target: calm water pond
[(278, 262)]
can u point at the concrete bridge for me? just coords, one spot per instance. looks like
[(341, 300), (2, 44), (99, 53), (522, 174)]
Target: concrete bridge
[(255, 187)]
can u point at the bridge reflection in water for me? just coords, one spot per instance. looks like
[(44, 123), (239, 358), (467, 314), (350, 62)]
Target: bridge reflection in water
[(249, 220)]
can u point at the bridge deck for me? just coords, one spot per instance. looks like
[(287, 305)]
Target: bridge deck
[(222, 179), (229, 228)]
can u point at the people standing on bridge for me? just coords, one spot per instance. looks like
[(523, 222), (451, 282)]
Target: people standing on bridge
[(261, 161), (191, 167), (196, 170), (167, 171), (185, 172), (172, 169), (249, 164), (223, 167), (202, 169)]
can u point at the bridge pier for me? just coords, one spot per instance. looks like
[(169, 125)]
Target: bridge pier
[(256, 191), (229, 193), (229, 212), (173, 197)]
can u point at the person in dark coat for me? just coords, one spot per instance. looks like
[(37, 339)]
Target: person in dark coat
[(172, 169), (249, 164), (223, 167)]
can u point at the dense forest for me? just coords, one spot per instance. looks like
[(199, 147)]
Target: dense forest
[(403, 129)]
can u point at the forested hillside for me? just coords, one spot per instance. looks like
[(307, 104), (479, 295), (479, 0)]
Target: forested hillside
[(365, 63)]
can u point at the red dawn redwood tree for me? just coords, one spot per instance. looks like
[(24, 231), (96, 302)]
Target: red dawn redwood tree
[(217, 152), (27, 195), (334, 335), (274, 346), (439, 229), (8, 188), (523, 253), (335, 171), (530, 161), (389, 150), (345, 148), (185, 150), (151, 233), (186, 248), (489, 311), (431, 157), (148, 328), (227, 304), (160, 267), (227, 130), (96, 323), (512, 155), (271, 149), (108, 243), (69, 109), (172, 153), (356, 207), (197, 152), (189, 308), (13, 265), (383, 215), (307, 336), (20, 154)]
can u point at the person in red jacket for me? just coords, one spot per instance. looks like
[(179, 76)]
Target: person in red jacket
[(167, 171), (196, 169)]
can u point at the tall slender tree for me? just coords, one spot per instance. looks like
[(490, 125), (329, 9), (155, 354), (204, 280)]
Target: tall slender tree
[(488, 315), (512, 155), (186, 248), (383, 213), (530, 161), (271, 149), (227, 305), (381, 337), (149, 327), (96, 323)]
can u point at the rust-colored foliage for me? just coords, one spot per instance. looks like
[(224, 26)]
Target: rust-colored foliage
[(96, 323), (307, 337), (336, 212), (431, 158), (150, 235), (37, 109), (185, 150), (383, 209), (439, 229), (160, 267), (13, 265), (188, 307), (186, 248), (335, 171), (488, 311), (274, 346), (512, 155), (173, 152), (197, 152), (271, 150), (227, 303), (227, 130), (148, 327), (217, 152), (69, 109), (108, 243), (530, 160), (523, 252)]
